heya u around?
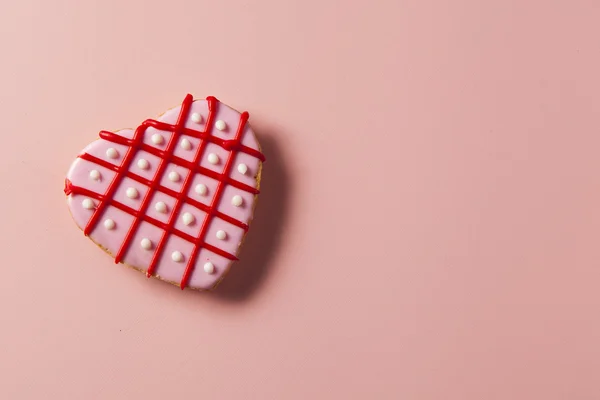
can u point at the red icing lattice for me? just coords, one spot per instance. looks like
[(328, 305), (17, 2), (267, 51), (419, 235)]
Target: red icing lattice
[(166, 156)]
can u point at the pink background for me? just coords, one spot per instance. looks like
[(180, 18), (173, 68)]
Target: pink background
[(428, 227)]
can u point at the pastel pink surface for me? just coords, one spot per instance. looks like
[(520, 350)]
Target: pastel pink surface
[(428, 222), (140, 258)]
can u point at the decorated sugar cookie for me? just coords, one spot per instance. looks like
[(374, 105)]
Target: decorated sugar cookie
[(173, 198)]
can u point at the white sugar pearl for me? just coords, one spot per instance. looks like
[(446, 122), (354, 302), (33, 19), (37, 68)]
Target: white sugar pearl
[(88, 204), (157, 139), (146, 244), (109, 224), (95, 174), (220, 125), (186, 145), (112, 153), (213, 158), (221, 235), (242, 168), (237, 200), (143, 164), (197, 118), (209, 268), (174, 176), (132, 193), (161, 207), (201, 189), (187, 218), (177, 256)]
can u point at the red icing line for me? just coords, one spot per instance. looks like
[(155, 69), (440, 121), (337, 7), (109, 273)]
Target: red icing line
[(188, 181), (166, 156), (162, 166), (72, 189), (111, 137), (215, 203), (160, 188), (112, 188), (226, 144)]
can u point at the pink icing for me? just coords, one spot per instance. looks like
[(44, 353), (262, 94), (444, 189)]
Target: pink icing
[(136, 256)]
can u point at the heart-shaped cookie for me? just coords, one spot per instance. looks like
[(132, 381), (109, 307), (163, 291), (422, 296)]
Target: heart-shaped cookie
[(174, 197)]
